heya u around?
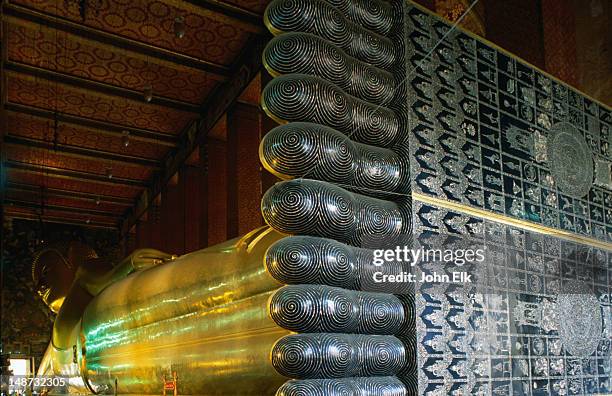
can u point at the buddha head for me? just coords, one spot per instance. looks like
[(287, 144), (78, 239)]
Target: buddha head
[(54, 269)]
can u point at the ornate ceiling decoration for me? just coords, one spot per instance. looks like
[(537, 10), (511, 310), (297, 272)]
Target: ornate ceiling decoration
[(75, 93), (45, 48), (207, 35), (64, 183), (40, 157), (89, 205), (62, 98), (41, 129)]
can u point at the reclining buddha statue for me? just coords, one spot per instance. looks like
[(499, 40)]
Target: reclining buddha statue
[(287, 308), (393, 124)]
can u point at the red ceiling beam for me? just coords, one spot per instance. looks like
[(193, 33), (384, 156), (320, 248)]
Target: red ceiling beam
[(68, 194), (73, 174), (103, 127), (96, 86), (60, 208), (57, 219), (81, 152), (240, 14)]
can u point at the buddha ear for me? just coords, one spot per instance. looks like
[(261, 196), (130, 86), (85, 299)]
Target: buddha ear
[(146, 258)]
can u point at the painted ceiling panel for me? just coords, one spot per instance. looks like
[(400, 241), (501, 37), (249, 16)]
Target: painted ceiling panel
[(207, 35), (49, 181), (75, 83), (58, 214), (42, 47), (41, 129), (31, 91), (49, 200), (43, 157)]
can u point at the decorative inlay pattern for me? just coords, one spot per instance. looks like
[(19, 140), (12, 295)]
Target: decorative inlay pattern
[(300, 97), (580, 320), (324, 20), (322, 261), (319, 308), (301, 149), (571, 161), (370, 386), (373, 15), (334, 63), (490, 132), (309, 54), (483, 133), (536, 319), (326, 355), (317, 208)]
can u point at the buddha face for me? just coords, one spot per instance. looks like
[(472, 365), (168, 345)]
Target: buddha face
[(54, 271), (53, 277)]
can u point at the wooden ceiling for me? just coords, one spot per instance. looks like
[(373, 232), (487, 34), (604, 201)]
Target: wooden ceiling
[(73, 89)]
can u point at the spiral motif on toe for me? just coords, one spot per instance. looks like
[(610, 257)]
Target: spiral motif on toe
[(326, 21), (380, 313), (379, 386), (298, 355), (324, 355), (378, 355), (374, 220), (311, 260), (300, 97), (297, 149), (338, 309), (317, 208), (317, 308), (306, 53), (284, 208), (297, 309), (299, 201), (362, 386), (372, 14), (380, 169)]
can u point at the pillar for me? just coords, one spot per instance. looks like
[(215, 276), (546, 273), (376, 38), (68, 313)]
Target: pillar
[(194, 180), (244, 169), (217, 183), (173, 217)]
